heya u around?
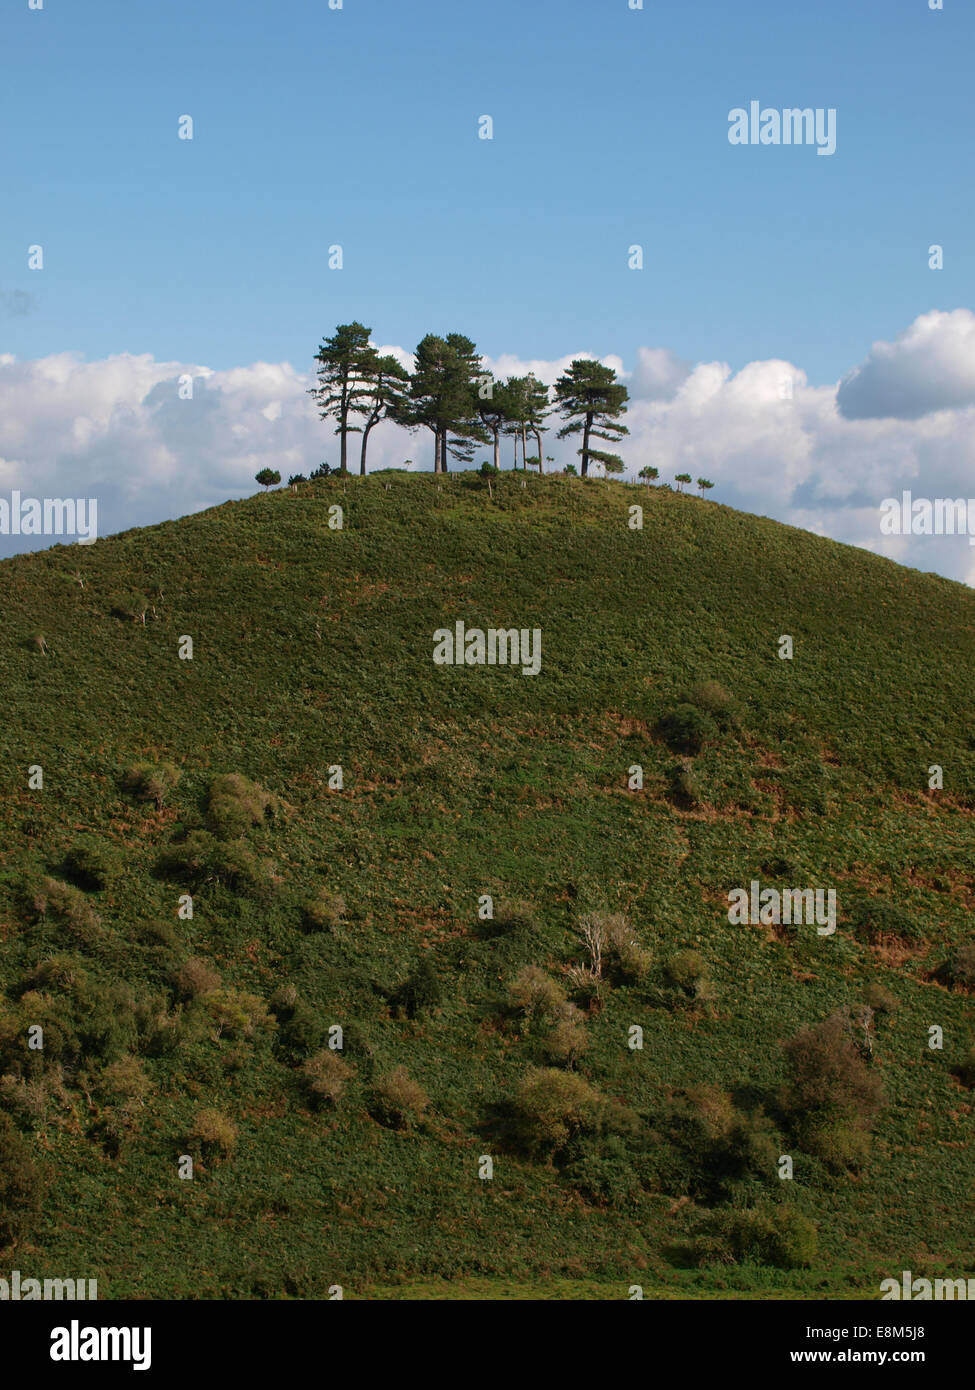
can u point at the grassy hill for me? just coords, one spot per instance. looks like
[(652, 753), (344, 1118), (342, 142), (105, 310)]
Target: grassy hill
[(312, 906)]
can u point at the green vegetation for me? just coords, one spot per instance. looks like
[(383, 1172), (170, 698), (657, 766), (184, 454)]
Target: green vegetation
[(189, 907)]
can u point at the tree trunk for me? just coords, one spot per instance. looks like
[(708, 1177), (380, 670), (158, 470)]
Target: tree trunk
[(497, 447), (524, 448), (362, 456), (436, 450), (538, 441), (585, 446)]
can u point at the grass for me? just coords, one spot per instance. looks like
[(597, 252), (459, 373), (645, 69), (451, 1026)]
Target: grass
[(312, 649)]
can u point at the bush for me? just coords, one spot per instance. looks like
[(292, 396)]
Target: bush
[(965, 1071), (688, 971), (21, 1184), (961, 966), (535, 994), (398, 1101), (719, 1144), (713, 700), (324, 1077), (150, 781), (687, 728), (235, 1014), (831, 1095), (325, 912), (92, 864), (212, 1135), (875, 919), (196, 977), (567, 1041), (419, 991), (59, 902), (683, 785), (627, 960), (879, 999), (235, 804), (550, 1107), (515, 915), (782, 1237), (200, 859)]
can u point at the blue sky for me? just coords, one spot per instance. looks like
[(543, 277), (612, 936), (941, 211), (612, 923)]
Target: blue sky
[(358, 127)]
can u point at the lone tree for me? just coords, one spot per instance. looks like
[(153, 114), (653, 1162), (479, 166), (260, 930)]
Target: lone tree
[(592, 400), (649, 475), (443, 397), (342, 380), (383, 395), (268, 477), (682, 478), (704, 485)]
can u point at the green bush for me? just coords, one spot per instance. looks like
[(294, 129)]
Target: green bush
[(212, 1135), (683, 785), (235, 804), (713, 700), (150, 781), (65, 906), (22, 1184), (92, 864), (550, 1107), (325, 912), (398, 1101), (687, 729), (535, 994), (781, 1237), (961, 966), (830, 1095), (877, 919), (419, 991), (876, 997), (324, 1077), (688, 972)]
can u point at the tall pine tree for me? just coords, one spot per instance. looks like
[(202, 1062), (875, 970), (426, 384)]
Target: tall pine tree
[(592, 400)]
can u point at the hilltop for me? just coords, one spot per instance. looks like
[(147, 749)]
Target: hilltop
[(337, 806)]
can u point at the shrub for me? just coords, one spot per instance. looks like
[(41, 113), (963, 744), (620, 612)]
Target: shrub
[(782, 1237), (92, 864), (212, 1134), (628, 961), (515, 915), (59, 902), (876, 997), (235, 1014), (688, 971), (21, 1184), (567, 1041), (150, 781), (235, 804), (830, 1093), (131, 607), (324, 912), (196, 977), (687, 728), (602, 1171), (961, 965), (324, 1077), (874, 919), (720, 1144), (201, 859), (550, 1107), (125, 1081), (683, 785), (714, 700), (419, 991), (398, 1101), (535, 994), (965, 1071)]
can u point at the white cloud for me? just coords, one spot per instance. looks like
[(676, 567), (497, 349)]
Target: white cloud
[(116, 429), (930, 367)]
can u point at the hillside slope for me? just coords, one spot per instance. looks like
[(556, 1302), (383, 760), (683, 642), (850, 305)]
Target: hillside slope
[(315, 906)]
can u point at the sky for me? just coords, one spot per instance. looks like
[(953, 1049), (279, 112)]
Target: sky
[(787, 336)]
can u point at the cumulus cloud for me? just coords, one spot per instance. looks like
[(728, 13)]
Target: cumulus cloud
[(772, 443), (929, 367)]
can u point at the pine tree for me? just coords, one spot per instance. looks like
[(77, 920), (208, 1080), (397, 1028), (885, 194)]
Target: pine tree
[(342, 389), (383, 395), (592, 400)]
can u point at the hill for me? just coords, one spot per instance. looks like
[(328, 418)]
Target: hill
[(357, 899)]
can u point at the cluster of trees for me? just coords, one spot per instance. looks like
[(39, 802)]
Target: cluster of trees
[(650, 475), (452, 394)]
